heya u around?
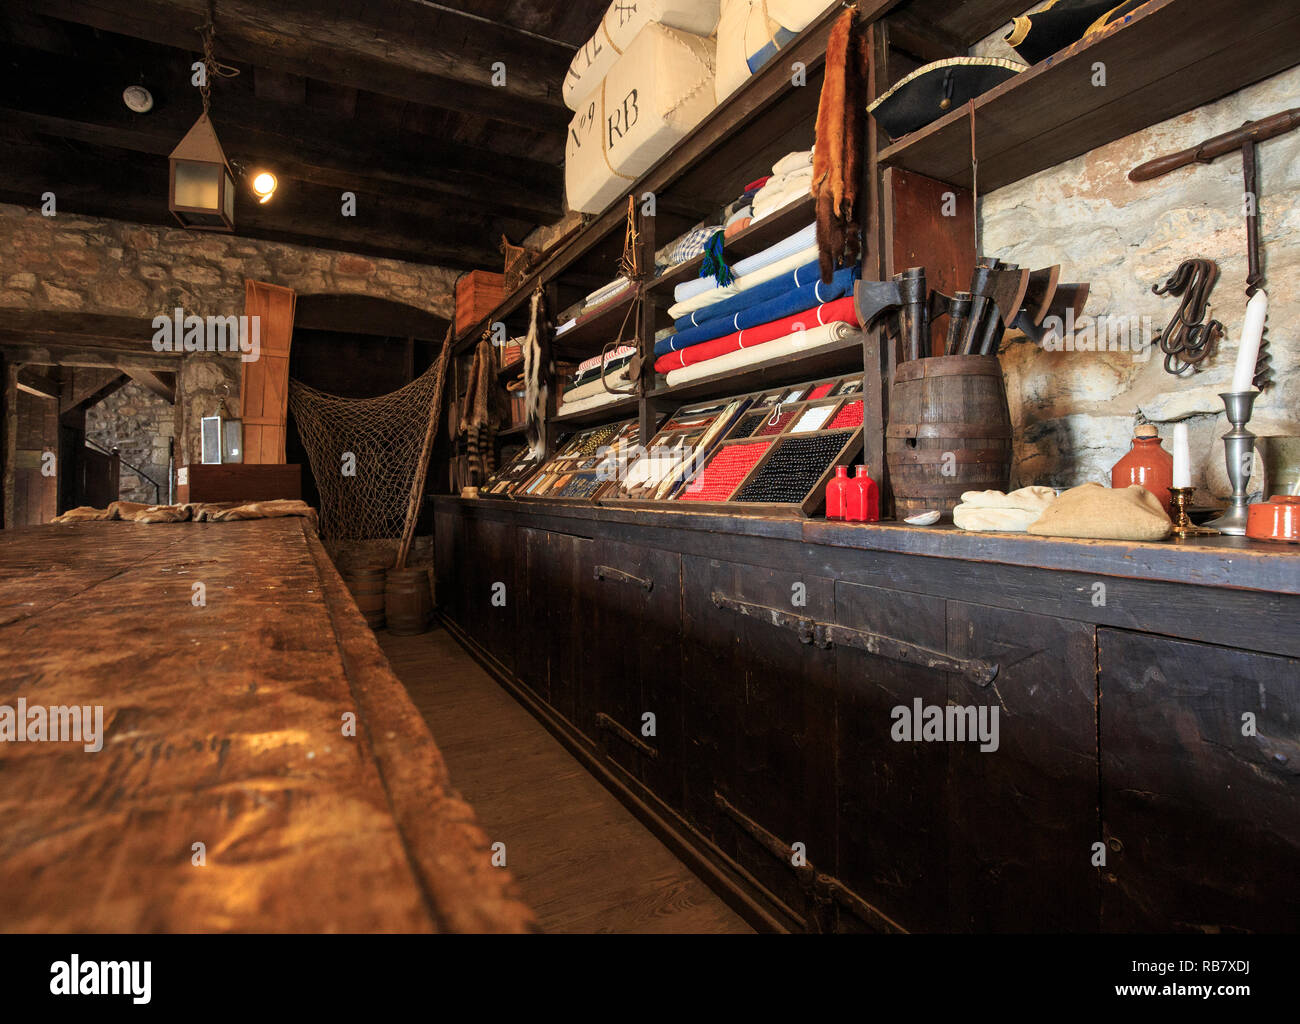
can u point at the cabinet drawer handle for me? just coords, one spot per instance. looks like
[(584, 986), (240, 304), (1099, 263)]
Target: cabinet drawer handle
[(824, 889), (605, 572), (603, 721), (827, 634)]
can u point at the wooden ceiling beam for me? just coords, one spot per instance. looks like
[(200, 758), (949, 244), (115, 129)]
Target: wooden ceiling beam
[(82, 101), (123, 185), (398, 50), (153, 382), (39, 384)]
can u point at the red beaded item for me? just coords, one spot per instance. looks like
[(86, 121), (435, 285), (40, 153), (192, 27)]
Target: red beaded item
[(724, 472), (849, 416)]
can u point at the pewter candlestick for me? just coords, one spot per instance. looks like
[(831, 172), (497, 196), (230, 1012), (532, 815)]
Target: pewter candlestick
[(1239, 454)]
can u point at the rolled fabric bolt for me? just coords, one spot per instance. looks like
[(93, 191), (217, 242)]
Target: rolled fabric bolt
[(1182, 457), (1252, 333)]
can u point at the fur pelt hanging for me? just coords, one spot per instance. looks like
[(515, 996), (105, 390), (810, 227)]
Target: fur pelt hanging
[(536, 378), (476, 421), (837, 153)]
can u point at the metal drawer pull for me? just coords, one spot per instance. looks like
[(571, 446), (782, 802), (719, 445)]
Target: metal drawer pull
[(823, 888), (827, 634), (605, 572), (603, 721)]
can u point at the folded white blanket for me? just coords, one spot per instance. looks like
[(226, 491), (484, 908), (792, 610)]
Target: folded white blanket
[(616, 379), (594, 402), (793, 162)]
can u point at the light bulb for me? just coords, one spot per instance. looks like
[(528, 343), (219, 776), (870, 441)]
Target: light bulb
[(264, 186)]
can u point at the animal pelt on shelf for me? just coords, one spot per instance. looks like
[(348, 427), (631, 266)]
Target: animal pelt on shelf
[(480, 419), (536, 378), (836, 154)]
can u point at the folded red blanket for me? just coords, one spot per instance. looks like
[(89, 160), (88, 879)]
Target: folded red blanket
[(839, 311)]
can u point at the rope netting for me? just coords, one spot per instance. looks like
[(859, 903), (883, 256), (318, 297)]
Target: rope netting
[(365, 453)]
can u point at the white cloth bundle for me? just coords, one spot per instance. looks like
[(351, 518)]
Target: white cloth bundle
[(771, 351), (617, 29), (993, 511), (594, 402), (750, 31), (658, 90), (791, 163), (617, 379)]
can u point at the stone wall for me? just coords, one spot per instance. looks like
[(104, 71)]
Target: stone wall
[(75, 264), (140, 425), (71, 263), (1073, 412)]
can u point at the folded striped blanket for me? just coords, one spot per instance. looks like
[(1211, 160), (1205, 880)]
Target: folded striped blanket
[(752, 296), (772, 351), (595, 361), (839, 311), (787, 303)]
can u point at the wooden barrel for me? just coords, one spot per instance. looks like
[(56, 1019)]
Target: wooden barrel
[(407, 601), (949, 432), (367, 586)]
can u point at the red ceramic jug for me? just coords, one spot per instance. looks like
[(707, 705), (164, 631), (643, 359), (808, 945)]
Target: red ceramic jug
[(862, 499), (1146, 464), (835, 488)]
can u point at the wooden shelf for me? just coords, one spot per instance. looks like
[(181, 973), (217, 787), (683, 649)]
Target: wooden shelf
[(1162, 60), (703, 152), (841, 357), (754, 239), (593, 333), (620, 409)]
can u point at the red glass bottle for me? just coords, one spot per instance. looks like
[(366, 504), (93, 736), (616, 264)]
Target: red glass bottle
[(835, 489), (1147, 464), (862, 499)]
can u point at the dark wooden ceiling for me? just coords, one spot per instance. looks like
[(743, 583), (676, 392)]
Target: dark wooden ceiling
[(390, 99)]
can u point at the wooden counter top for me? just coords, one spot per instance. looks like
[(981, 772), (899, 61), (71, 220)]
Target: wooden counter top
[(1236, 562), (222, 725)]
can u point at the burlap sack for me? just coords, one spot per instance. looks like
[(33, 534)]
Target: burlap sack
[(1094, 512), (993, 511)]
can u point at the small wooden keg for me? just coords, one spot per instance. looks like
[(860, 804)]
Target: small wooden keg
[(368, 585), (949, 432), (408, 602)]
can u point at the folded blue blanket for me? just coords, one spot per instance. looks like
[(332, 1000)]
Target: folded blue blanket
[(805, 275), (789, 302), (786, 247)]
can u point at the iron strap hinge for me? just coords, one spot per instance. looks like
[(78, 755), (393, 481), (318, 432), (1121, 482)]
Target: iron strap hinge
[(603, 721), (605, 572), (827, 634)]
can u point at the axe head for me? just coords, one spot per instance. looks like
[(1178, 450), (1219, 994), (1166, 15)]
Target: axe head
[(1067, 297), (1006, 290), (872, 299)]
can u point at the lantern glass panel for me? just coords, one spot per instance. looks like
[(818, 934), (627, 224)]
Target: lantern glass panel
[(198, 185)]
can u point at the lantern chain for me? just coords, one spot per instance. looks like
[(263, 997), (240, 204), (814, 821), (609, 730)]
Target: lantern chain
[(211, 65)]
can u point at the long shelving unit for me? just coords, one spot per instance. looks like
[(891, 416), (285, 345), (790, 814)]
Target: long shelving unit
[(1165, 58)]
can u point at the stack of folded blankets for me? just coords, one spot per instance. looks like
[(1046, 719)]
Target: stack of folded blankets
[(590, 386), (776, 306), (791, 181), (594, 304)]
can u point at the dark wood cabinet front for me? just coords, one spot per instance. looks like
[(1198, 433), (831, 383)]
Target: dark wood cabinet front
[(862, 757), (1200, 794)]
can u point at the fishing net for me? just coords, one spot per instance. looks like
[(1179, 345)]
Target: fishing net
[(369, 455)]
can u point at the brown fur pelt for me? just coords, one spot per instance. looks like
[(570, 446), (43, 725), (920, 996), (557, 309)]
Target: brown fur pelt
[(482, 416), (198, 512), (837, 153)]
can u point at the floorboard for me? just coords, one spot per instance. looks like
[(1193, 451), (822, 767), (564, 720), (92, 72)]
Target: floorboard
[(582, 861)]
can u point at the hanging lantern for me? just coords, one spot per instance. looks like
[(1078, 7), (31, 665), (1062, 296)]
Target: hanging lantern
[(202, 193)]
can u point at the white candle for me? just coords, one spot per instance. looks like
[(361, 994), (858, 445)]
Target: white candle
[(1182, 457), (1252, 332)]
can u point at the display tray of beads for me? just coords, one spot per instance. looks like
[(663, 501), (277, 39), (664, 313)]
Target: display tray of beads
[(782, 447)]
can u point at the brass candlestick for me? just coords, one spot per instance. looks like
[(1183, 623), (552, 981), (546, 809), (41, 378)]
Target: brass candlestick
[(1180, 498)]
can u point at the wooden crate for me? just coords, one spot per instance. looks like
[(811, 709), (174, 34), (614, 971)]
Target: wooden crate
[(477, 294)]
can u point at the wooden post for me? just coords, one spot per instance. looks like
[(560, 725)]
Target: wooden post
[(9, 448), (416, 499)]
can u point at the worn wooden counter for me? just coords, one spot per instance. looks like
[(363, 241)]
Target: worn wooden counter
[(738, 679), (223, 725)]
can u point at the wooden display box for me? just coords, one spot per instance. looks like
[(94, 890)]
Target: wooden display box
[(477, 294), (239, 482)]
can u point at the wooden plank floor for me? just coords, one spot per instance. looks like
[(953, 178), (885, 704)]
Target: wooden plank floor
[(582, 861)]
